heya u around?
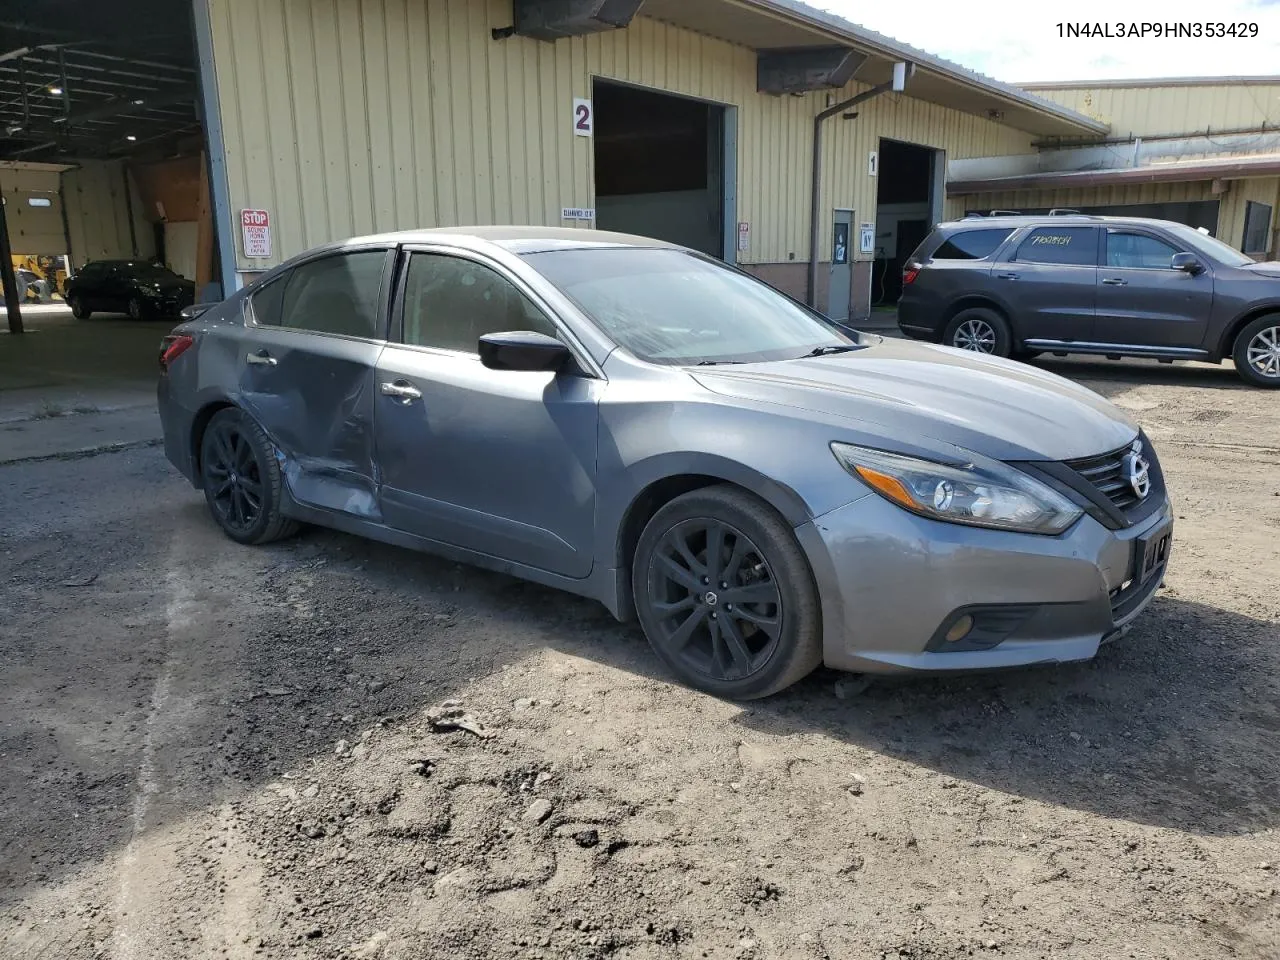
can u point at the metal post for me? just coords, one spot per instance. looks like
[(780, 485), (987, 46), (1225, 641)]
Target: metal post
[(815, 196), (9, 281)]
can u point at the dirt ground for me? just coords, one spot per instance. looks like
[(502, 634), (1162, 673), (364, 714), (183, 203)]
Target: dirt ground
[(215, 751)]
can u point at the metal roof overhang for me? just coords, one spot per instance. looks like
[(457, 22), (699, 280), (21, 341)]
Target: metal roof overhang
[(782, 24), (1224, 168)]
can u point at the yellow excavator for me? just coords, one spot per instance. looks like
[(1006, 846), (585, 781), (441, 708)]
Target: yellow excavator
[(41, 279)]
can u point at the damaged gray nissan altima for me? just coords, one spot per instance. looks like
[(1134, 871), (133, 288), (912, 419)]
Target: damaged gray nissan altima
[(637, 423)]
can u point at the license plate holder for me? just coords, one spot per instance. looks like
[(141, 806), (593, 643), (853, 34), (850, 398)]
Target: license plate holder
[(1151, 550)]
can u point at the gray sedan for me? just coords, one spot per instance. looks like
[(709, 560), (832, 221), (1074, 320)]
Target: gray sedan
[(633, 422)]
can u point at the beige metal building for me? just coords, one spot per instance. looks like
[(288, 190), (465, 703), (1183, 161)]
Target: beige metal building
[(1204, 151), (289, 123), (692, 119)]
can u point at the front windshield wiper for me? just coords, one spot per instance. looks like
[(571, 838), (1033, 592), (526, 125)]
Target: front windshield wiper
[(716, 363), (832, 348)]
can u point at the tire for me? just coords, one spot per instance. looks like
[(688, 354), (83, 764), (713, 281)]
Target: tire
[(1256, 352), (981, 330), (241, 479), (777, 636), (1026, 356), (135, 309), (78, 309)]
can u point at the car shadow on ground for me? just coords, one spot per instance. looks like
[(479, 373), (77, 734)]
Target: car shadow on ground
[(1126, 374), (1174, 726)]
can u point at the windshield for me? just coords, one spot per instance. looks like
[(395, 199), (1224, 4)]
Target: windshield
[(1211, 246), (671, 307)]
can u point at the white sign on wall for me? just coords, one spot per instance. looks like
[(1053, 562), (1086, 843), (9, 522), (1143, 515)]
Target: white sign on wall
[(744, 236), (873, 163), (867, 238), (583, 117), (255, 233), (577, 213)]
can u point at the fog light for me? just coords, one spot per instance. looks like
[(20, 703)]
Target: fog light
[(960, 629)]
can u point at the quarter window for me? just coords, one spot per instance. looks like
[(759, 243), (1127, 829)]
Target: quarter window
[(1066, 245), (451, 302), (338, 294), (1138, 250), (971, 245)]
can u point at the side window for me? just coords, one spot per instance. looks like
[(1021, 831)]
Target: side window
[(337, 294), (451, 302), (265, 303), (1067, 245), (971, 245), (1138, 250)]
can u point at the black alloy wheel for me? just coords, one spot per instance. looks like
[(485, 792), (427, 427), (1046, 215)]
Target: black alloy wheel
[(725, 595), (719, 609), (241, 478), (78, 309)]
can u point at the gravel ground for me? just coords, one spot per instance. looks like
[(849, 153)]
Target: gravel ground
[(330, 748)]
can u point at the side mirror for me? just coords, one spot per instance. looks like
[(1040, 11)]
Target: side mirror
[(195, 310), (1187, 263), (522, 350)]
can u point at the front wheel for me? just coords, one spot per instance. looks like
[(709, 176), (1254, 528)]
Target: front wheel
[(241, 479), (981, 330), (725, 596), (78, 309), (135, 308), (1257, 352)]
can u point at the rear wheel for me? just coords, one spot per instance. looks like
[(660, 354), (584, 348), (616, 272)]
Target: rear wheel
[(241, 478), (981, 330), (725, 595), (1257, 351), (78, 309)]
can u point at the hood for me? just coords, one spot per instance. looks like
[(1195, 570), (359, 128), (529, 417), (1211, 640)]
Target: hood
[(175, 285), (909, 391), (1268, 268)]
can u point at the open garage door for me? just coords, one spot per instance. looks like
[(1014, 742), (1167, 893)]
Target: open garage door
[(909, 192), (663, 166), (102, 142)]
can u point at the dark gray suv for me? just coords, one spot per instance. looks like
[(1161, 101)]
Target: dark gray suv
[(1114, 286)]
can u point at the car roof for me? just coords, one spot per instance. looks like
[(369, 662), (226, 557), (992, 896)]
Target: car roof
[(515, 239), (1044, 219)]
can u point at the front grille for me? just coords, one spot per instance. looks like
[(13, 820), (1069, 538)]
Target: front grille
[(1106, 474)]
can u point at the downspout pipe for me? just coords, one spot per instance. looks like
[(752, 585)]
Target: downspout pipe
[(901, 71)]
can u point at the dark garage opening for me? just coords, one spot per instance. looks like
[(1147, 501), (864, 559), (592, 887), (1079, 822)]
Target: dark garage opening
[(907, 206), (103, 153), (659, 166)]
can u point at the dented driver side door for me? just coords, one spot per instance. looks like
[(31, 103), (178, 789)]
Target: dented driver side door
[(311, 344)]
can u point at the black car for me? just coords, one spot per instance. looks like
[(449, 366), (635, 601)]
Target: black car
[(142, 290), (1112, 286)]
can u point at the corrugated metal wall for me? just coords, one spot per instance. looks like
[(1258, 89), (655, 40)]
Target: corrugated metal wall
[(1231, 213), (1147, 111), (98, 211), (344, 117)]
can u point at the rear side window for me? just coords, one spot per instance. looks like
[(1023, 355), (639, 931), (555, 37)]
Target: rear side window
[(1066, 245), (971, 244), (338, 294)]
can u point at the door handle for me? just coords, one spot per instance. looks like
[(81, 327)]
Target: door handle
[(402, 390), (1115, 281), (1006, 276), (261, 358)]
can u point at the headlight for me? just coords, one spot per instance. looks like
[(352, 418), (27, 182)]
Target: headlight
[(990, 494)]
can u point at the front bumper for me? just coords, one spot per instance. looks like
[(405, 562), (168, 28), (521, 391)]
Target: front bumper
[(890, 581)]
